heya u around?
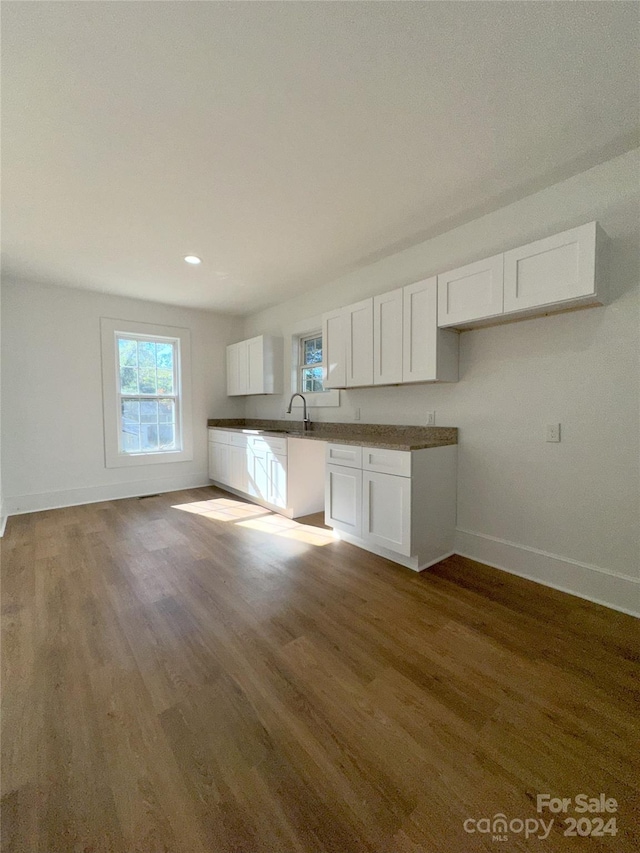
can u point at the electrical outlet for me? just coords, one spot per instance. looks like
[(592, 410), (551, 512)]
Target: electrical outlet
[(356, 414), (553, 432), (431, 418)]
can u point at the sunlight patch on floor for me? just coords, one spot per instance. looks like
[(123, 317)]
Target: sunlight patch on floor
[(258, 518), (223, 509), (277, 525)]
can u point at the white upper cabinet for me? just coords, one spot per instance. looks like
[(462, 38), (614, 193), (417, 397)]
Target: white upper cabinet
[(243, 367), (387, 338), (233, 378), (559, 270), (472, 292), (359, 339), (429, 354), (335, 349), (254, 366)]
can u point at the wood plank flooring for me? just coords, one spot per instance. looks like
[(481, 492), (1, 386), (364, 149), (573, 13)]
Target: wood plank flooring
[(188, 673)]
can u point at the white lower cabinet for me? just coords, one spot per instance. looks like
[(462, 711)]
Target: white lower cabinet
[(238, 474), (284, 474), (386, 511), (257, 472), (343, 499), (277, 479), (399, 504), (219, 462)]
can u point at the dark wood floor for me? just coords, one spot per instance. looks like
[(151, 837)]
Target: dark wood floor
[(203, 678)]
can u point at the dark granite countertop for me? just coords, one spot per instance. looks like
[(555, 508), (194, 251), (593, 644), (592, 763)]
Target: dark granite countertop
[(394, 437)]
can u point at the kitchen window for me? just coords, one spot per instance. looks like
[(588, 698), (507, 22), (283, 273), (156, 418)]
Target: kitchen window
[(311, 364), (146, 385)]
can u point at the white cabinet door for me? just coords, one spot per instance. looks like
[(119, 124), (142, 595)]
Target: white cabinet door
[(343, 499), (277, 473), (335, 349), (219, 462), (243, 367), (359, 337), (212, 461), (386, 511), (232, 370), (238, 468), (387, 338), (420, 330), (561, 268), (258, 471), (237, 369), (255, 365), (472, 292)]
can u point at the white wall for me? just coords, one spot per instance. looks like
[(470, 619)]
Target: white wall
[(52, 426), (577, 501), (3, 517)]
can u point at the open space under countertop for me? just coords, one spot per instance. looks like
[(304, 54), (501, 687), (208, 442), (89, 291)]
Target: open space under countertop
[(392, 436)]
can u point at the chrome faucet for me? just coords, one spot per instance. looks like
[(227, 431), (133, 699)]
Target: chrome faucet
[(306, 420)]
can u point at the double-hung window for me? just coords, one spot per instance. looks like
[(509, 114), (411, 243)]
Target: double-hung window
[(311, 364), (146, 391)]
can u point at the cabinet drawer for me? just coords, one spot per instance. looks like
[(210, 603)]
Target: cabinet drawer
[(268, 442), (238, 439), (221, 436), (387, 461), (344, 454)]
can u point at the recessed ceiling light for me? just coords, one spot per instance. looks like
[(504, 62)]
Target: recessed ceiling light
[(192, 259)]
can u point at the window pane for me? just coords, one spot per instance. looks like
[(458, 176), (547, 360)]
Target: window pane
[(148, 437), (167, 436), (312, 379), (131, 411), (147, 367), (166, 411), (146, 354), (165, 382), (127, 352), (148, 380), (130, 438), (128, 380), (164, 356), (149, 411), (312, 353)]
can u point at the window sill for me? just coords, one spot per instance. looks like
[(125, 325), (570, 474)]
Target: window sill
[(126, 460)]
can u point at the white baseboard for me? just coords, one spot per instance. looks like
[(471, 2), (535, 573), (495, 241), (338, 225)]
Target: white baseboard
[(611, 589), (22, 504)]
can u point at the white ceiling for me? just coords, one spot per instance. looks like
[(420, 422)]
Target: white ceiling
[(287, 142)]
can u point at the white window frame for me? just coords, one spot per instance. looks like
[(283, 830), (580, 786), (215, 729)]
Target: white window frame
[(302, 366), (111, 329), (330, 397)]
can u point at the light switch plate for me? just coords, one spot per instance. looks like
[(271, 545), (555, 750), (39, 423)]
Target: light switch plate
[(431, 418)]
